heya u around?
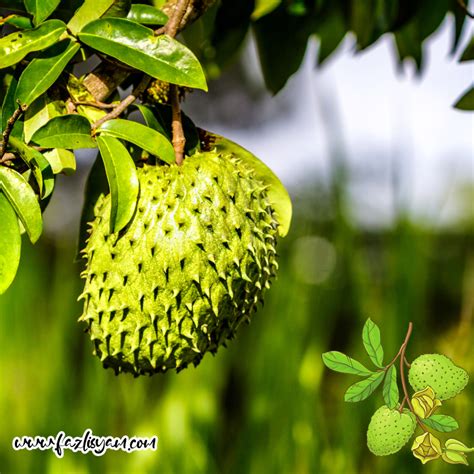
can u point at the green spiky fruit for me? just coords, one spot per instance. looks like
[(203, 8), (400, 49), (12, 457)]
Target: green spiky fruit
[(189, 268), (389, 430), (440, 373)]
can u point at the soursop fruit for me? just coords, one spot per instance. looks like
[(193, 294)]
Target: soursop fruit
[(189, 268), (389, 430), (438, 372)]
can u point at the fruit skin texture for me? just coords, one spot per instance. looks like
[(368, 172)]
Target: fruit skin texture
[(389, 430), (438, 372), (189, 268)]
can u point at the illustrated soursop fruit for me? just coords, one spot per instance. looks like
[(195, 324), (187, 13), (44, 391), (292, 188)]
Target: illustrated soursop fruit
[(440, 373), (389, 430), (190, 267)]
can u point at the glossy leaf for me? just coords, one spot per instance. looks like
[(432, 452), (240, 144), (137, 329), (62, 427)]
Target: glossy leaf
[(391, 394), (42, 72), (277, 194), (15, 46), (122, 179), (40, 112), (340, 362), (466, 101), (161, 57), (89, 11), (441, 423), (141, 135), (150, 119), (61, 161), (68, 131), (372, 343), (10, 243), (40, 9), (38, 164), (468, 53), (147, 15), (23, 200), (119, 8), (363, 389), (18, 21)]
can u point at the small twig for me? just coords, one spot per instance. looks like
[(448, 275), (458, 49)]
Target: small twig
[(406, 362), (177, 127), (463, 5), (97, 105), (70, 107), (9, 128), (160, 31), (172, 26), (129, 100)]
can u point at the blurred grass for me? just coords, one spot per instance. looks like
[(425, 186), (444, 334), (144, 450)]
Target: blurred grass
[(266, 404)]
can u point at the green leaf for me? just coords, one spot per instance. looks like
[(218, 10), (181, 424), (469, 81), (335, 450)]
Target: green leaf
[(61, 161), (468, 54), (120, 8), (68, 131), (89, 11), (277, 194), (466, 101), (10, 243), (122, 179), (363, 389), (141, 135), (391, 395), (161, 57), (150, 119), (263, 7), (441, 423), (40, 112), (23, 200), (339, 362), (42, 72), (18, 21), (147, 15), (9, 105), (38, 164), (14, 47), (372, 344), (40, 9), (96, 185)]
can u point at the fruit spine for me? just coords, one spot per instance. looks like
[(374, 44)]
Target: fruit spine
[(190, 267)]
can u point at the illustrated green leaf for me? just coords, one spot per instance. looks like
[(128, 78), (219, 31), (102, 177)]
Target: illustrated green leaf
[(363, 389), (40, 112), (61, 161), (10, 243), (23, 200), (15, 46), (340, 362), (38, 164), (40, 9), (42, 72), (372, 343), (468, 53), (147, 15), (123, 181), (277, 194), (441, 423), (161, 56), (391, 394), (96, 185), (68, 131), (466, 102), (141, 135), (89, 11)]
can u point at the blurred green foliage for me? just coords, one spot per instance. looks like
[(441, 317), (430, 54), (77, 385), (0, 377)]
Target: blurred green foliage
[(266, 404)]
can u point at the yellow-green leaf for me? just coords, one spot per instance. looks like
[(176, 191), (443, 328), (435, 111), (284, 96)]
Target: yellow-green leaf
[(61, 161), (89, 11), (40, 9)]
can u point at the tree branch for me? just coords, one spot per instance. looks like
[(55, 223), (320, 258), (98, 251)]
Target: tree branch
[(9, 128), (179, 141)]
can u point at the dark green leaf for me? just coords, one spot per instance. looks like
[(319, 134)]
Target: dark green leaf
[(68, 131), (441, 423), (330, 29), (468, 54), (466, 102), (89, 11), (372, 343), (23, 200), (141, 135), (277, 194), (150, 119), (38, 164), (18, 21), (263, 7), (122, 179), (363, 389), (391, 395), (9, 105), (147, 15), (339, 362), (42, 72), (159, 56), (10, 243), (61, 161), (40, 9), (16, 46), (119, 9), (96, 185)]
